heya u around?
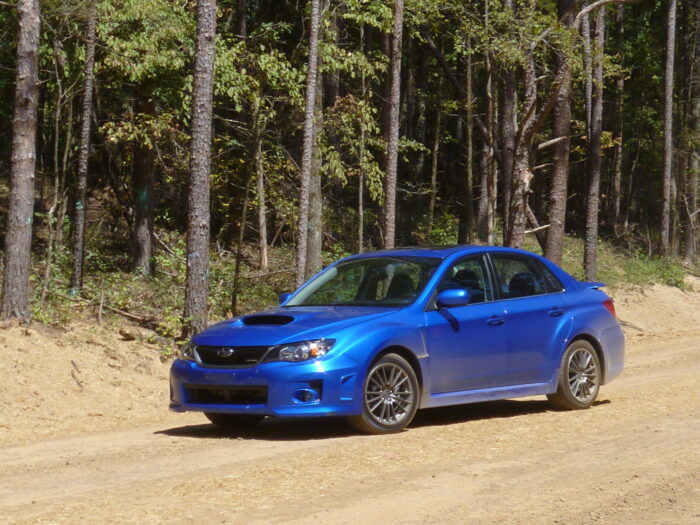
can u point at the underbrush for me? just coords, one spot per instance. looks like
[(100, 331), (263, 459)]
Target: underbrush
[(113, 295)]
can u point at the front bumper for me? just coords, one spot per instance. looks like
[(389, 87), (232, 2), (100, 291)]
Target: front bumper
[(274, 389)]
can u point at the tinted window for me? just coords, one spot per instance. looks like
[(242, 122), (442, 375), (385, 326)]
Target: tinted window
[(376, 281), (551, 282), (469, 274), (518, 276)]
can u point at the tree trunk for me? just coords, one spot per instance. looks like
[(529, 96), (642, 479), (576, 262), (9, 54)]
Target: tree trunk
[(508, 125), (309, 142), (560, 157), (587, 70), (668, 129), (18, 238), (466, 229), (314, 247), (619, 121), (393, 142), (590, 254), (434, 164), (76, 281), (691, 190), (142, 236), (198, 219), (260, 187)]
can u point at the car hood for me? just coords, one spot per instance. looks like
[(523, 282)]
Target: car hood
[(286, 325)]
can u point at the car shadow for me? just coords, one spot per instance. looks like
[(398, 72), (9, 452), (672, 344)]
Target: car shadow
[(298, 429)]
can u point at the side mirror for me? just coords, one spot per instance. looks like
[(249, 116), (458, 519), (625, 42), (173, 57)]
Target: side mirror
[(283, 297), (452, 298)]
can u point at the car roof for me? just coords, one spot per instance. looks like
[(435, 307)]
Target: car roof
[(436, 252)]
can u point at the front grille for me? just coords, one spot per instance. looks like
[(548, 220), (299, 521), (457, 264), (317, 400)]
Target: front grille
[(226, 395), (240, 356)]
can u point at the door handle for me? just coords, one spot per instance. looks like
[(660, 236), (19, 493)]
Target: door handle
[(556, 312), (495, 321)]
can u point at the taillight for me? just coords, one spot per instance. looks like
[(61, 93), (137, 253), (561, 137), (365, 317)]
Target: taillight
[(610, 307)]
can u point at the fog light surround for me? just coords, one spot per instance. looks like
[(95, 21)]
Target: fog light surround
[(306, 396)]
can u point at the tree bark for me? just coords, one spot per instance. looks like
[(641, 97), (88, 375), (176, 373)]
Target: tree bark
[(509, 126), (142, 236), (587, 70), (260, 187), (198, 219), (309, 142), (393, 142), (668, 129), (590, 254), (560, 157), (691, 191), (619, 122), (18, 238), (314, 247), (76, 281)]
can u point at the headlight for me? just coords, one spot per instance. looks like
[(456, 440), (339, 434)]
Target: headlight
[(187, 351), (301, 351)]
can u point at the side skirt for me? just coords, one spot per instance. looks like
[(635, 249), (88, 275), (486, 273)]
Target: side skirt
[(487, 394)]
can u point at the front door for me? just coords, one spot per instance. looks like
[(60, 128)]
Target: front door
[(467, 345)]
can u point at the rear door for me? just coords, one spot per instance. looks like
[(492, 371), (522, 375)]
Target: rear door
[(536, 318)]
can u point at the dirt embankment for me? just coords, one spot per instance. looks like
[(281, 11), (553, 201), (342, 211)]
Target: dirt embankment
[(86, 437)]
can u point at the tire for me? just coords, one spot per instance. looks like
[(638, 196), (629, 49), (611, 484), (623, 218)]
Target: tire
[(579, 377), (390, 396), (234, 422)]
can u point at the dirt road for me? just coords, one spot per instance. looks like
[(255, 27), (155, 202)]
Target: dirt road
[(633, 458)]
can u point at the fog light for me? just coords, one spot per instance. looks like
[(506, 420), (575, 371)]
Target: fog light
[(306, 395)]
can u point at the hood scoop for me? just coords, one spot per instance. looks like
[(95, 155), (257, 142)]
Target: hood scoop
[(267, 320)]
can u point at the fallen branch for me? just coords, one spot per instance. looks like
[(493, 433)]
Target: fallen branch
[(123, 313), (539, 228)]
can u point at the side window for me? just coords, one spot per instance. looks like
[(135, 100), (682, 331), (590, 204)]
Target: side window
[(471, 275), (518, 276), (551, 282)]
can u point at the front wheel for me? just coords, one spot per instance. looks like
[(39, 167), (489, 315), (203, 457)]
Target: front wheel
[(390, 396), (579, 377), (234, 422)]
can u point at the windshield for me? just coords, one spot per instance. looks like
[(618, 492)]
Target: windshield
[(380, 281)]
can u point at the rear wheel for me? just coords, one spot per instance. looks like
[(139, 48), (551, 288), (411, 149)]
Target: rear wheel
[(579, 378), (231, 422), (390, 396)]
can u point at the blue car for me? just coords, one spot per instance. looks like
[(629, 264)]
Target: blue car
[(376, 336)]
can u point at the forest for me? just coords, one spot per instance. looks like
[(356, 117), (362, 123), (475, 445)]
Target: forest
[(175, 162)]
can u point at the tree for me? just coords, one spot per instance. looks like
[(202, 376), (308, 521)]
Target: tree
[(393, 138), (198, 218), (76, 281), (590, 255), (18, 239), (560, 158), (691, 190), (309, 141), (668, 129)]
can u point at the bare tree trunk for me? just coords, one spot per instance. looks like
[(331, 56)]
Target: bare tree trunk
[(142, 241), (314, 247), (18, 238), (560, 158), (509, 126), (393, 142), (198, 219), (434, 164), (361, 175), (76, 280), (587, 70), (239, 247), (691, 191), (466, 236), (260, 187), (590, 254), (619, 121), (668, 129), (309, 141)]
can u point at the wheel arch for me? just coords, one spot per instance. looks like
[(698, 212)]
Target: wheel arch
[(596, 346), (407, 354)]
